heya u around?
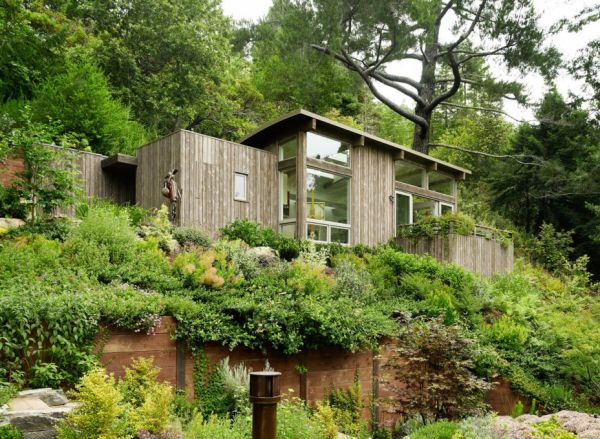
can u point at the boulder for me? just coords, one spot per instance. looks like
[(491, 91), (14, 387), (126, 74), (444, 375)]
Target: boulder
[(11, 223), (36, 412), (265, 255)]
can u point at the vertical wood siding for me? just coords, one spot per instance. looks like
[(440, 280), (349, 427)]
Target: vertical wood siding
[(208, 166), (155, 160), (474, 253), (372, 184), (99, 183)]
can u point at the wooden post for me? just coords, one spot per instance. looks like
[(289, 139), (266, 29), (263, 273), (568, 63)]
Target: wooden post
[(264, 396)]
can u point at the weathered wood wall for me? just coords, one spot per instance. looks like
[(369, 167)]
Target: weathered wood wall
[(155, 160), (371, 186), (99, 183), (208, 166), (475, 253)]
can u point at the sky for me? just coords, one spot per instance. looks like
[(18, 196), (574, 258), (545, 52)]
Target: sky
[(550, 12)]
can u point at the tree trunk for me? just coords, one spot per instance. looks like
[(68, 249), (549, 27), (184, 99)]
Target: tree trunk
[(428, 65)]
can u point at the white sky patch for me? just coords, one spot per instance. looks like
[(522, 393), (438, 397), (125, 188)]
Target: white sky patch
[(569, 44)]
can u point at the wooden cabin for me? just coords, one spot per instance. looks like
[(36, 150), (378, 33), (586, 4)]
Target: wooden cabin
[(303, 174)]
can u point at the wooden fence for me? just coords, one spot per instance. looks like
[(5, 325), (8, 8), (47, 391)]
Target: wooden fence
[(481, 252)]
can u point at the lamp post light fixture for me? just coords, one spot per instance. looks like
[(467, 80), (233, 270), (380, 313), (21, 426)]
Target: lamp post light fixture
[(264, 396)]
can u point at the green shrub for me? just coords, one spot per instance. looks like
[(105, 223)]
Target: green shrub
[(347, 405), (215, 427), (552, 248), (107, 410), (187, 236), (507, 334), (437, 430), (54, 229), (551, 429), (10, 432), (100, 413), (255, 235)]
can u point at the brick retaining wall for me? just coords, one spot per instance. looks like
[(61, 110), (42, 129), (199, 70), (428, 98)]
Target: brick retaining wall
[(326, 367)]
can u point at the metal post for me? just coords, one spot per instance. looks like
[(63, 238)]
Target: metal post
[(264, 396)]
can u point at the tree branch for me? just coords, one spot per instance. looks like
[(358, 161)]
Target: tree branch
[(455, 85), (414, 96), (468, 32), (403, 79), (367, 79), (537, 161), (491, 110)]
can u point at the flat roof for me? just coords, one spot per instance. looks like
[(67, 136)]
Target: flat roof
[(264, 134)]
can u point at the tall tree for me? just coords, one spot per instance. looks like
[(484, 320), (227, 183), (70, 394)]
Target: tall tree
[(566, 180), (288, 72), (368, 37), (165, 59)]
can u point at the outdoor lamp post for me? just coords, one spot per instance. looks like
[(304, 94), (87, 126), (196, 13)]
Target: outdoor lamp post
[(264, 396)]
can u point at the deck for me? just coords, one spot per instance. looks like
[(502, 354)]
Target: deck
[(486, 251)]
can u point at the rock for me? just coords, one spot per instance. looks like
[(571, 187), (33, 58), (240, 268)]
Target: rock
[(36, 412), (37, 420), (265, 255), (49, 396), (582, 424), (11, 223)]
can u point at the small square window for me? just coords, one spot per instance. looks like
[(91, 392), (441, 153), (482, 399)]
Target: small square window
[(241, 187)]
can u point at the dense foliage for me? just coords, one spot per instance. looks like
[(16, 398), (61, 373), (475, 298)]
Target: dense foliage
[(56, 293)]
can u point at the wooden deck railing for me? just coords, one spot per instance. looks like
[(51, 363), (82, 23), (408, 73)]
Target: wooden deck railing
[(485, 250)]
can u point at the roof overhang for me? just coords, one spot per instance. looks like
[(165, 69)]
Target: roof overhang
[(302, 119), (119, 163)]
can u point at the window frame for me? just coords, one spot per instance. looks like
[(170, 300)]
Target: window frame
[(283, 141), (410, 208), (246, 198), (444, 203), (336, 139)]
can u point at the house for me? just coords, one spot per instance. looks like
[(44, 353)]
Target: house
[(303, 174)]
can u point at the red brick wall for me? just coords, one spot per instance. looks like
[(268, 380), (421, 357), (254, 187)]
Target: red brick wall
[(9, 167)]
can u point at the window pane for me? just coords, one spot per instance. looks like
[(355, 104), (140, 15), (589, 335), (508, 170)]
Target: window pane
[(402, 209), (440, 183), (423, 207), (287, 149), (445, 209), (287, 194), (241, 187), (408, 173), (340, 235), (327, 196), (327, 149), (288, 230), (316, 232)]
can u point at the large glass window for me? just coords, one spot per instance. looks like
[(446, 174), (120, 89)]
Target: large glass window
[(409, 173), (327, 196), (441, 183), (327, 149), (288, 195), (316, 232), (287, 148)]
